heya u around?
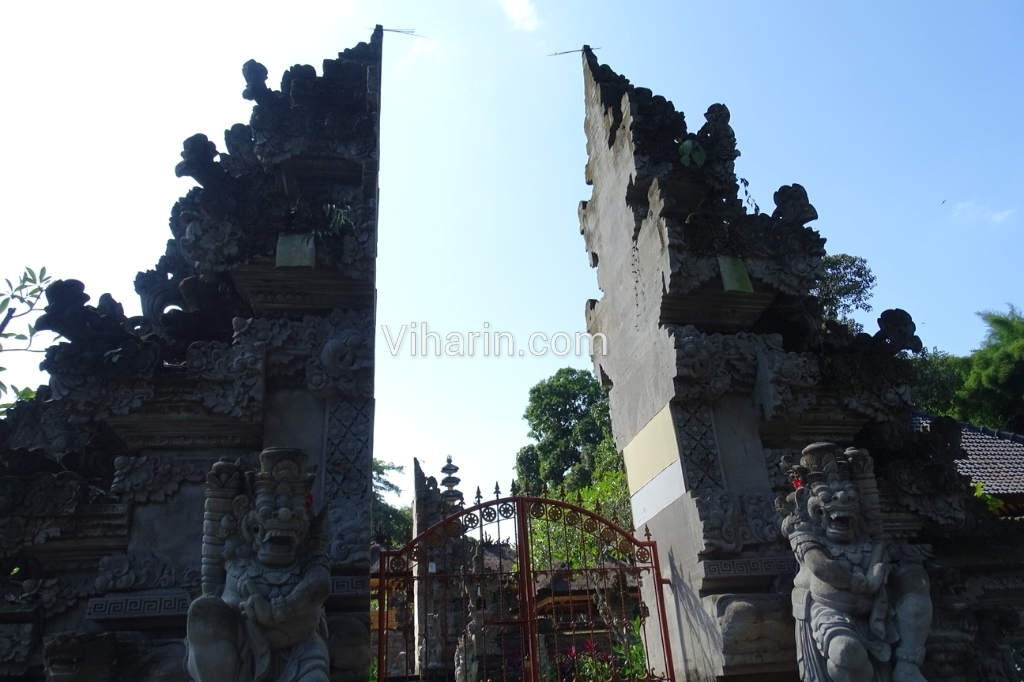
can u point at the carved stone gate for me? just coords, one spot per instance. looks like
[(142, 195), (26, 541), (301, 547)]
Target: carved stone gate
[(521, 588)]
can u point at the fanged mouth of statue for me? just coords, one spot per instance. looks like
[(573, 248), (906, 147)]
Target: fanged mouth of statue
[(279, 542), (64, 665), (840, 522)]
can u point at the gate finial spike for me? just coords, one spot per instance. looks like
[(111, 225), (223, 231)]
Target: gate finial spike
[(597, 508), (647, 532), (515, 488), (497, 491), (479, 498)]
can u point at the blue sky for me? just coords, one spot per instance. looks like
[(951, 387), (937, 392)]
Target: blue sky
[(902, 120)]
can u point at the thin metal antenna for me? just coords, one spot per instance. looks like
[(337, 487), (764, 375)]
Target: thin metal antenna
[(555, 54), (403, 31)]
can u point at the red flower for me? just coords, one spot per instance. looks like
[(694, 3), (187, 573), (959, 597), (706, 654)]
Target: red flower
[(797, 483)]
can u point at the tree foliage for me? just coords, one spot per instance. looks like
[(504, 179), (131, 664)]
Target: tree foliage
[(845, 287), (568, 418), (985, 387), (993, 390), (391, 523), (18, 305), (939, 379), (574, 459)]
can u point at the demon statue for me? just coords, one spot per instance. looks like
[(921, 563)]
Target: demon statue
[(859, 615), (265, 576)]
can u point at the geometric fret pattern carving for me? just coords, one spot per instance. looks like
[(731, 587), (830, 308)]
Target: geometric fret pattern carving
[(155, 603)]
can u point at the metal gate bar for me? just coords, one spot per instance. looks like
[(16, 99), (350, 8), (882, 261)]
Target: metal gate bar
[(485, 593)]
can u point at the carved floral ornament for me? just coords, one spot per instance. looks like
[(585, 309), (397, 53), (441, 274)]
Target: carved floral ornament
[(149, 478), (709, 365)]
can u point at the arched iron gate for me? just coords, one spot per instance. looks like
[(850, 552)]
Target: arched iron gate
[(521, 589)]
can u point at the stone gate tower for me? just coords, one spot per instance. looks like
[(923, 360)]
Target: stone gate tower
[(257, 331), (719, 364)]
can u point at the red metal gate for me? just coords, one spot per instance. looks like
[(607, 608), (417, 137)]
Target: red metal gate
[(521, 589)]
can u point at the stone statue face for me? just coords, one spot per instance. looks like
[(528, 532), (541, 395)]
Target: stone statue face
[(283, 525), (836, 508)]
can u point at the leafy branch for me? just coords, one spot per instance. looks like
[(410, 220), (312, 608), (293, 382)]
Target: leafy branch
[(20, 300), (690, 151)]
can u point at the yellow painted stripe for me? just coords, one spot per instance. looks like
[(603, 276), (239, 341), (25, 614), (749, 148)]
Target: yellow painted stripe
[(651, 450)]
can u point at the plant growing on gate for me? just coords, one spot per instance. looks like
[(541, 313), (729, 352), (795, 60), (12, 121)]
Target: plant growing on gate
[(18, 302), (690, 152), (586, 664), (631, 660)]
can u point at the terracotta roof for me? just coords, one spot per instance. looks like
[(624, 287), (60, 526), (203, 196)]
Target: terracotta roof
[(995, 458)]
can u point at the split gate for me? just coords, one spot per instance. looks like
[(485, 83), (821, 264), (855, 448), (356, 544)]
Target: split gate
[(521, 589)]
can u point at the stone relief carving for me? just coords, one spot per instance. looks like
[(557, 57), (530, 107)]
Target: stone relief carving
[(717, 513), (41, 509), (149, 478), (52, 596), (865, 371), (265, 576), (347, 450), (969, 633), (695, 427), (776, 476), (759, 521), (755, 628), (79, 657), (340, 352), (851, 602), (47, 426), (15, 645), (122, 572), (230, 218), (776, 249), (234, 374), (709, 365), (731, 523)]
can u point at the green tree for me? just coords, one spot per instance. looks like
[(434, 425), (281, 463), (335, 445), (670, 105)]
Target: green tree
[(574, 459), (393, 523), (939, 379), (985, 387), (845, 287), (18, 305), (993, 388), (568, 418)]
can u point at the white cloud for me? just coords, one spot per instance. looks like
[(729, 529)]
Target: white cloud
[(1001, 217), (522, 14), (973, 212)]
